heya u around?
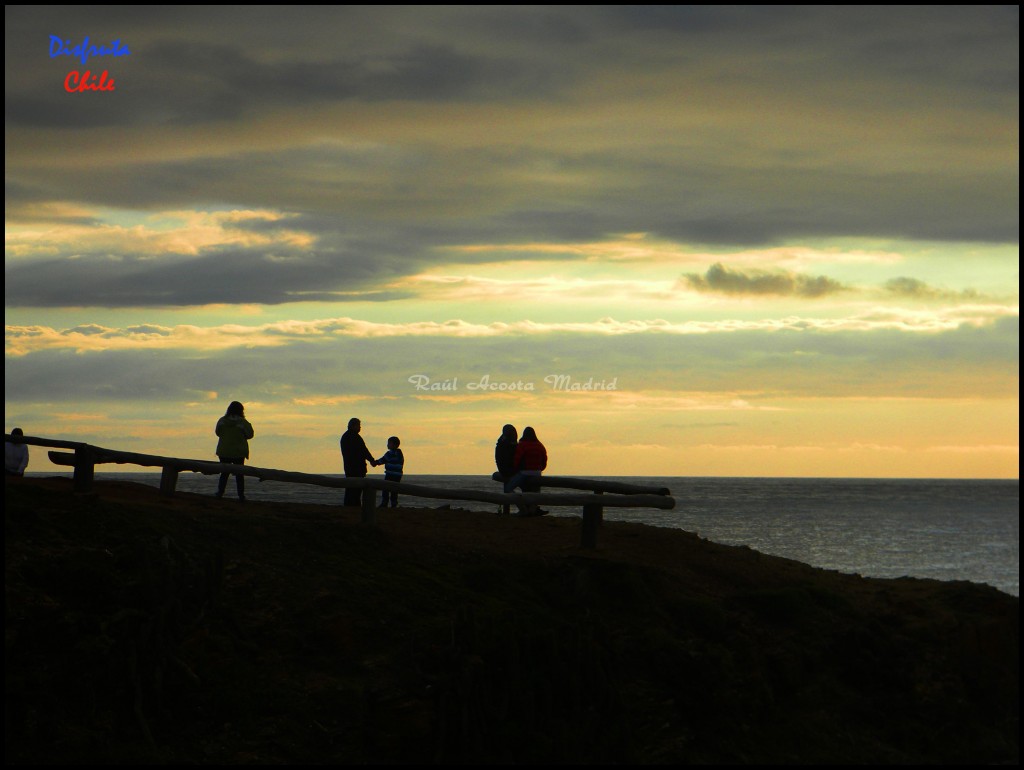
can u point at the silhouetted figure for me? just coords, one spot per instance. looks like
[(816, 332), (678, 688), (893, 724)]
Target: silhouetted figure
[(15, 454), (530, 459), (234, 432), (505, 452), (354, 456), (394, 465)]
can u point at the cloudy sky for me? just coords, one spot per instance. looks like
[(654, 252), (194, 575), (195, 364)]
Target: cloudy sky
[(746, 241)]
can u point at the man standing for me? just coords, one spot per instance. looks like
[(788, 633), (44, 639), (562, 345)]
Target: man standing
[(355, 455)]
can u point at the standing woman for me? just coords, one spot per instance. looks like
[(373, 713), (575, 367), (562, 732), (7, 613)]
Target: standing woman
[(234, 432)]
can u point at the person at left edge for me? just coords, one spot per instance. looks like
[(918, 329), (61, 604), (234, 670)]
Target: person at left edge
[(15, 454)]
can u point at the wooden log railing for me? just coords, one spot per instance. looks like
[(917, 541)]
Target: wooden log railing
[(85, 457), (594, 485), (593, 508)]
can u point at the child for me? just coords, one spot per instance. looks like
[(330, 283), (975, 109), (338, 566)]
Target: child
[(394, 462)]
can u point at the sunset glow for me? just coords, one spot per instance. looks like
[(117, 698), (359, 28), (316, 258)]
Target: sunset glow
[(759, 242)]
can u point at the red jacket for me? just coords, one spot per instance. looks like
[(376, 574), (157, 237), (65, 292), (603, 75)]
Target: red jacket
[(531, 456)]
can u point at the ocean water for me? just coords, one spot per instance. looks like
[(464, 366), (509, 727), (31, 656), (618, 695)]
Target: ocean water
[(941, 529)]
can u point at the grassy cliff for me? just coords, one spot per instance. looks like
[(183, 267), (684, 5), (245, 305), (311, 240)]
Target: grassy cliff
[(193, 630)]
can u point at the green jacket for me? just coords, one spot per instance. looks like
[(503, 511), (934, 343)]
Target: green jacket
[(234, 432)]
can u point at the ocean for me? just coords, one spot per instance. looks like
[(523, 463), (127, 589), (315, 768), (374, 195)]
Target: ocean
[(941, 529)]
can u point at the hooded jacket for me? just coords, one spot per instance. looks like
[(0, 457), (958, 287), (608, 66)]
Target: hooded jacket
[(234, 432), (531, 455), (505, 456)]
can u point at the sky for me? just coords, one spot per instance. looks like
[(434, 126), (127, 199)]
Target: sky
[(675, 240)]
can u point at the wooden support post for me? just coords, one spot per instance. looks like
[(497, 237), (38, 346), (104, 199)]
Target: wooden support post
[(85, 468), (506, 509), (168, 480), (369, 504), (592, 514)]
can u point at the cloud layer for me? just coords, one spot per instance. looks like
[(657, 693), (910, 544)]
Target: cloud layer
[(375, 143), (743, 210)]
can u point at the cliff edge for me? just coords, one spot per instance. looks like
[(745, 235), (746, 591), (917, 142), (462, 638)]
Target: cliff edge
[(158, 630)]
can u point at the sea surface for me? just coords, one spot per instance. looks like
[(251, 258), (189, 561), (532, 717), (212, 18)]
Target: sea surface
[(941, 529)]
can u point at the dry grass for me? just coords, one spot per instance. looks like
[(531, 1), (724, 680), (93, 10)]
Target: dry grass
[(187, 629)]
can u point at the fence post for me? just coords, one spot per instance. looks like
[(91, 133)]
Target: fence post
[(369, 503), (591, 520), (168, 480), (85, 468)]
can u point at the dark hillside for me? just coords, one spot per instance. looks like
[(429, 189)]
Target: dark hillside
[(194, 630)]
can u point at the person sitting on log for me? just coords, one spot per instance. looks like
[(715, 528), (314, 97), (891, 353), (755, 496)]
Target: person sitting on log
[(15, 454), (505, 452), (531, 458)]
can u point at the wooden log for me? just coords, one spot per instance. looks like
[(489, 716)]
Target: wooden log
[(539, 498), (402, 488), (206, 467), (623, 495), (62, 458), (50, 442), (595, 485)]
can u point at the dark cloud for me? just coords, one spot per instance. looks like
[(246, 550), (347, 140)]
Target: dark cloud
[(195, 65), (541, 25), (909, 287), (222, 276), (973, 53), (719, 280), (383, 209), (189, 81), (912, 288), (378, 214), (692, 198), (695, 21), (970, 52), (151, 376), (978, 360), (710, 200)]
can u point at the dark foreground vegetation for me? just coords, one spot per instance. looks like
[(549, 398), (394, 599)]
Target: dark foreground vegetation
[(142, 629)]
